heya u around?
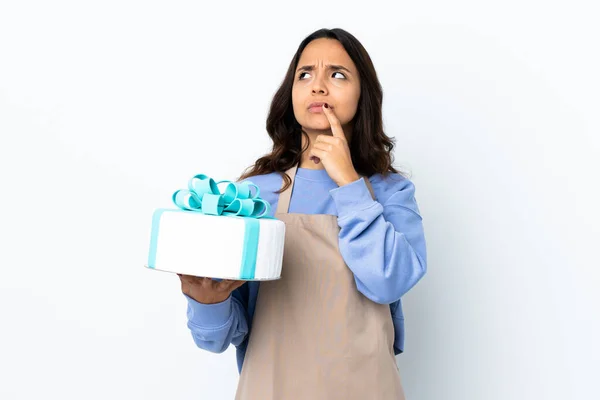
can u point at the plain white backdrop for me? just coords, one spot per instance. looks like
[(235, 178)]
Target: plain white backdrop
[(107, 108)]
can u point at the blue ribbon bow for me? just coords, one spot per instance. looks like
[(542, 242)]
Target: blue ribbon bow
[(238, 199)]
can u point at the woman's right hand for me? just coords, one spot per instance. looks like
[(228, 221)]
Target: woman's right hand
[(207, 290)]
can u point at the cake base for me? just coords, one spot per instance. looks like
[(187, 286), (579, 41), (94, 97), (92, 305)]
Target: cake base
[(237, 278)]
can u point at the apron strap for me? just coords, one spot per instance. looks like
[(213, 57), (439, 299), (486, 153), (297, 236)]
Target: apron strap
[(370, 187), (283, 204)]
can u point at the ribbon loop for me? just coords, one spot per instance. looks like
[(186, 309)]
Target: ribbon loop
[(238, 199)]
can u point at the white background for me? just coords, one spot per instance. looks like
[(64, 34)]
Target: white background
[(107, 108)]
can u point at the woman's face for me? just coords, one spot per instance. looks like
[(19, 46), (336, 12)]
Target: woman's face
[(325, 73)]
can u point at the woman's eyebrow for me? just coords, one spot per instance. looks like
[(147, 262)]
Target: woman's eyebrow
[(331, 66)]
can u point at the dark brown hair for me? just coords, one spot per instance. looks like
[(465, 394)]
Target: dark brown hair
[(370, 147)]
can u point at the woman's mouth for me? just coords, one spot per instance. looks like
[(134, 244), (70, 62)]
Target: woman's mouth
[(317, 107)]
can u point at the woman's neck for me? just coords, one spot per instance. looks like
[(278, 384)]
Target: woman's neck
[(306, 161)]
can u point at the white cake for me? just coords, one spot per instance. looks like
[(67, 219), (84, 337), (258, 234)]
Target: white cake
[(226, 247)]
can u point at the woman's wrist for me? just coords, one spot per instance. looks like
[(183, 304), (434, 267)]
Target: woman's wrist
[(210, 299)]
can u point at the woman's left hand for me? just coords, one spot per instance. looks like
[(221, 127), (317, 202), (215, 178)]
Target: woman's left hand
[(334, 152)]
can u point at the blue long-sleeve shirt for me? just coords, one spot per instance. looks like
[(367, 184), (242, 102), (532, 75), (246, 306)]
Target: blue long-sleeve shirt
[(382, 241)]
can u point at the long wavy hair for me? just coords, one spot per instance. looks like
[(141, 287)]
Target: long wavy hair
[(370, 148)]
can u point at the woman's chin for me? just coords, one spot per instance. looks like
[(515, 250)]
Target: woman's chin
[(317, 126)]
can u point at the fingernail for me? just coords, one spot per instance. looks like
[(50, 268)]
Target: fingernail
[(326, 105)]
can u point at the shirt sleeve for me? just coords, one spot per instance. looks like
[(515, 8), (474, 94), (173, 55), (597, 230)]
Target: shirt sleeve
[(215, 326), (383, 245)]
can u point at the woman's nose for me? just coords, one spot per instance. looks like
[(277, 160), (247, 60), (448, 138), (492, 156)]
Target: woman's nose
[(319, 85)]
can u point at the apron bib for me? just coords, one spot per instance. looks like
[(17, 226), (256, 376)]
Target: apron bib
[(314, 335)]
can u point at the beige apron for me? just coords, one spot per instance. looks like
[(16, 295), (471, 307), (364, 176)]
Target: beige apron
[(314, 335)]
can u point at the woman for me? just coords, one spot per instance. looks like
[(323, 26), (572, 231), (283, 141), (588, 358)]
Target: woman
[(331, 326)]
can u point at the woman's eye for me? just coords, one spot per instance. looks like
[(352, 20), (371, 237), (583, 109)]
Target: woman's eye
[(302, 73)]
